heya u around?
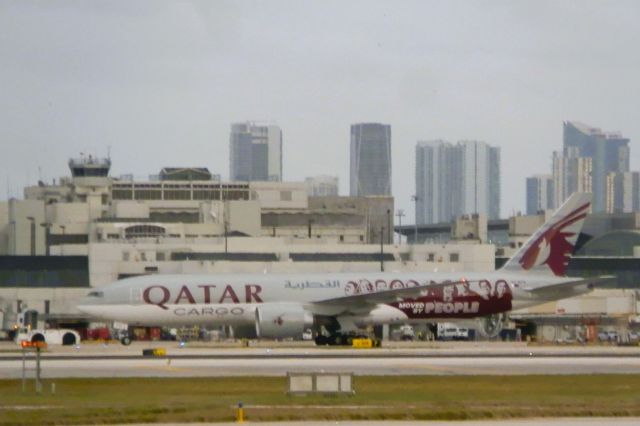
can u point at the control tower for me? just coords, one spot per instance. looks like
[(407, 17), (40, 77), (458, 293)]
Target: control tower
[(89, 167), (91, 183)]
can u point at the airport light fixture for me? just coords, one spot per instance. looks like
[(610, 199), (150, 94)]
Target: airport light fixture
[(400, 215), (415, 198)]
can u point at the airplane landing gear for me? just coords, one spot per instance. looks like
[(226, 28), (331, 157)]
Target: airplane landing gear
[(336, 339), (321, 340), (331, 333)]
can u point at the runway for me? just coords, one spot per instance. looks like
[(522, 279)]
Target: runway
[(280, 367), (117, 361)]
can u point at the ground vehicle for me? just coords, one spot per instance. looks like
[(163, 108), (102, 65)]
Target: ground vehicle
[(608, 336), (61, 336), (451, 331), (463, 333), (407, 332)]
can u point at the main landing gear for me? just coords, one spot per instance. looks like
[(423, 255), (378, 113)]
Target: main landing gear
[(334, 339)]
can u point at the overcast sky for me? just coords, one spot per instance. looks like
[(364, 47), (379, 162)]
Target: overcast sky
[(160, 82)]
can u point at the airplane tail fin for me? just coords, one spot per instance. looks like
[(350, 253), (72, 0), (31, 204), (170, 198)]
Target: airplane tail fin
[(550, 247)]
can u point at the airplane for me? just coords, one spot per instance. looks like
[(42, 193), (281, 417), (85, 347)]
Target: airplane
[(337, 305)]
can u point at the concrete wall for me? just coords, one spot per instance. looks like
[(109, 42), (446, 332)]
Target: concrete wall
[(4, 228), (280, 195), (244, 216), (470, 227), (376, 212), (320, 233), (68, 213), (471, 257), (20, 229), (129, 209)]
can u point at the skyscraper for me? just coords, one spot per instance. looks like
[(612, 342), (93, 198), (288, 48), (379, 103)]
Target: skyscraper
[(608, 151), (435, 180), (370, 168), (540, 194), (480, 169), (623, 192), (255, 152), (571, 173), (452, 180)]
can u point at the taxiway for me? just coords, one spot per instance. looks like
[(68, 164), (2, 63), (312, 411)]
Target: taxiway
[(211, 361)]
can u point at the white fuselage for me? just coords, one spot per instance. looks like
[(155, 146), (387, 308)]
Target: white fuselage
[(232, 299)]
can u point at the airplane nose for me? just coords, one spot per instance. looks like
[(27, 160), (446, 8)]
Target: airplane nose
[(85, 308), (91, 303), (92, 310)]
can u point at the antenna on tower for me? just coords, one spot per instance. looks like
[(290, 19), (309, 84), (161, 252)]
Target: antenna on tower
[(109, 152)]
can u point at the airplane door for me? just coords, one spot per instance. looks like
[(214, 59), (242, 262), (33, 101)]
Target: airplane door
[(135, 296)]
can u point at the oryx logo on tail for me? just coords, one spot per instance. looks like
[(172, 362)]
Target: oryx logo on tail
[(555, 245), (549, 249)]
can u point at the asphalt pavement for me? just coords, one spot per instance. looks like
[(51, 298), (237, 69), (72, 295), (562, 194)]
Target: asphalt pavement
[(277, 359)]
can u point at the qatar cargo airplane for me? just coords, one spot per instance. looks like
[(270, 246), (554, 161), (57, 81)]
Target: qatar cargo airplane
[(338, 304)]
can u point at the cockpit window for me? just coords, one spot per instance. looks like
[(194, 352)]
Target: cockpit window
[(95, 294)]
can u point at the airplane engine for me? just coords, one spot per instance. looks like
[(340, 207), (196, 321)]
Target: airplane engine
[(282, 320), (491, 325)]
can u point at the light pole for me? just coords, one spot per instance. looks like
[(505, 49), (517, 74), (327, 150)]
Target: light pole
[(309, 223), (226, 235), (382, 248), (225, 208), (33, 234), (400, 214), (389, 231), (415, 199)]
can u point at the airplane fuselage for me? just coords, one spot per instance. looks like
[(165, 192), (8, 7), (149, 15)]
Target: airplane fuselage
[(232, 299)]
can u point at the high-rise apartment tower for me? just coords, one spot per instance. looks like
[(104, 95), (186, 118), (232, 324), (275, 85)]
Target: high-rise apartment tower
[(609, 152), (370, 169), (540, 194), (255, 152), (453, 180)]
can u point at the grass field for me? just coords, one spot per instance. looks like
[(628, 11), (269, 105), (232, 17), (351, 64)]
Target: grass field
[(136, 400)]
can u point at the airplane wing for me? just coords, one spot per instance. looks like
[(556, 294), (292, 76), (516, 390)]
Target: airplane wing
[(386, 296), (571, 285), (364, 300)]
